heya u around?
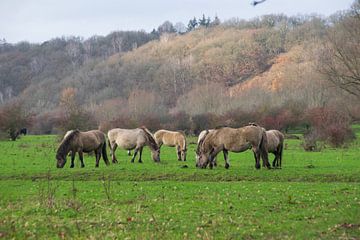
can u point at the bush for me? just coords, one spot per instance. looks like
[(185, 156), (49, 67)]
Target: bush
[(13, 117), (331, 125), (203, 121)]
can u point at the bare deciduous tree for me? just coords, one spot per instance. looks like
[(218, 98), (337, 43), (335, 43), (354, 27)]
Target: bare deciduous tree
[(340, 58)]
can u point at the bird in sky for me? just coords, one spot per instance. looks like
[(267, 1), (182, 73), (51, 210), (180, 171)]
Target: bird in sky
[(254, 3)]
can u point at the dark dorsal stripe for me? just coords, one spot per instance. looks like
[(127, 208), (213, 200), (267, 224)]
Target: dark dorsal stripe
[(150, 138)]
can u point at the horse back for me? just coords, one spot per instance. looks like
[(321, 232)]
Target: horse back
[(274, 138), (91, 140), (170, 138), (127, 138), (236, 139)]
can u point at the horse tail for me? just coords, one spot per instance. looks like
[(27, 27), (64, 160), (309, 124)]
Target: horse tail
[(103, 152), (263, 149), (281, 148)]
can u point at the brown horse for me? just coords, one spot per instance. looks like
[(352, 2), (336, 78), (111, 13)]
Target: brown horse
[(235, 140), (80, 142), (172, 139), (130, 139), (275, 145)]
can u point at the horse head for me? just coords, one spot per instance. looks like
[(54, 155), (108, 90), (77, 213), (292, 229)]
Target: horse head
[(200, 157)]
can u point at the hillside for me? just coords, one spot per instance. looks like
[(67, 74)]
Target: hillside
[(261, 64)]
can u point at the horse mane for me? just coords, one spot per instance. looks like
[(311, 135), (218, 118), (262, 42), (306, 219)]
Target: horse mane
[(220, 127), (253, 124), (201, 142), (65, 143), (150, 138)]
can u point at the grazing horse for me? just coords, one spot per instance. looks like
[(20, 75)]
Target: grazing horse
[(201, 135), (275, 144), (172, 139), (275, 140), (130, 139), (80, 142), (235, 140)]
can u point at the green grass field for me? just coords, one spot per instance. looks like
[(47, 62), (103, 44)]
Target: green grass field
[(315, 196)]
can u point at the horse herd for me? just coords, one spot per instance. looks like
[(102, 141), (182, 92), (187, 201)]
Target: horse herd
[(210, 143)]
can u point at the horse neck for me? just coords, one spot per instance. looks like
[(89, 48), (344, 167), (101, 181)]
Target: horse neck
[(64, 149), (149, 144), (206, 146)]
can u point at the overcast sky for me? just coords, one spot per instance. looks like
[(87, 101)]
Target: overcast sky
[(41, 20)]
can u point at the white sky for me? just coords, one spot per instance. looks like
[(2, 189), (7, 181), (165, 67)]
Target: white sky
[(41, 20)]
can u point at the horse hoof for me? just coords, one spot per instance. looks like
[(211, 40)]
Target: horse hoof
[(96, 166), (257, 166), (227, 166)]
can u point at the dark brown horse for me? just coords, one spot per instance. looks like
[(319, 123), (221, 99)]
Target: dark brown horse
[(235, 140), (80, 142)]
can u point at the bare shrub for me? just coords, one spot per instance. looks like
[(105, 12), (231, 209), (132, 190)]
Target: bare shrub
[(239, 118), (177, 121), (331, 125), (203, 121), (73, 114), (14, 116)]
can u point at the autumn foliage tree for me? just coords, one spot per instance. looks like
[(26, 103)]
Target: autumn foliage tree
[(74, 115)]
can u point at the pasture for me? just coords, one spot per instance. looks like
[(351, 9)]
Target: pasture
[(315, 195)]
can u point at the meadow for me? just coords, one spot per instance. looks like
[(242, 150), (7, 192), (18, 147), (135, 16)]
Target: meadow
[(316, 195)]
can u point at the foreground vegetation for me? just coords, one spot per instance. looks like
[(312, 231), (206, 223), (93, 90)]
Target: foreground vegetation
[(317, 192)]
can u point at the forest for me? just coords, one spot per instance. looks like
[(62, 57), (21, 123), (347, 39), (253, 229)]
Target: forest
[(280, 71)]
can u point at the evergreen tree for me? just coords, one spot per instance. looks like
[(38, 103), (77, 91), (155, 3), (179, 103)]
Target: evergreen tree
[(192, 24), (202, 21)]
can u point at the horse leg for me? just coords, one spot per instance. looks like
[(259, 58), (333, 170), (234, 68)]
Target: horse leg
[(257, 158), (226, 153), (280, 152), (275, 162), (129, 152), (97, 157), (72, 159), (81, 157), (112, 150), (140, 161), (135, 153), (178, 152)]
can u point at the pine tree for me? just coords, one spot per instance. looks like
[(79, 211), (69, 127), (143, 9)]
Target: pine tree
[(202, 21), (192, 24)]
